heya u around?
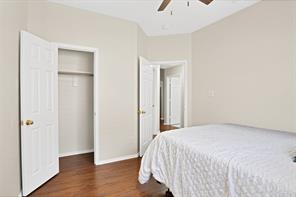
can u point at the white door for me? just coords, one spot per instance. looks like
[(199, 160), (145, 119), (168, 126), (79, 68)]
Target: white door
[(175, 101), (146, 102), (39, 114), (156, 101)]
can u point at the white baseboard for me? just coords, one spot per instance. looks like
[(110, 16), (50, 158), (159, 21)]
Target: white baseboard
[(75, 153), (20, 195), (118, 159)]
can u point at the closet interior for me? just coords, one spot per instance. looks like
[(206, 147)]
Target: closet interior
[(76, 106)]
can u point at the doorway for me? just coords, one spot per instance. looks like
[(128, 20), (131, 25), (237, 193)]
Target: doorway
[(171, 97), (162, 99), (77, 100), (42, 75)]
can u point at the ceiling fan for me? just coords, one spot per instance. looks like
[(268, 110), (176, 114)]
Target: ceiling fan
[(165, 3)]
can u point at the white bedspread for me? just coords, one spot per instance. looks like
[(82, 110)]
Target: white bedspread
[(222, 160)]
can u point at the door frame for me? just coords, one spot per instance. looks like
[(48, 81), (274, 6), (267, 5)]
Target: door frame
[(161, 101), (156, 96), (95, 52), (185, 86)]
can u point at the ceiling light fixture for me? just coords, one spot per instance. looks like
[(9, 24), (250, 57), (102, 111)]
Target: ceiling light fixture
[(165, 3)]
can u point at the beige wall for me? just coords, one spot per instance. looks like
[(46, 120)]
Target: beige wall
[(69, 60), (171, 48), (12, 20), (117, 43), (142, 43), (247, 60)]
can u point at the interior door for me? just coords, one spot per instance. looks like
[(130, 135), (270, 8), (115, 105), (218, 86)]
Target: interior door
[(175, 101), (146, 103), (39, 114), (156, 101)]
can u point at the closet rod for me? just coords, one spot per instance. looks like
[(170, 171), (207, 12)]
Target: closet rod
[(75, 73)]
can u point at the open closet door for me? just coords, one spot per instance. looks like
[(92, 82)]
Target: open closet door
[(146, 103), (39, 114)]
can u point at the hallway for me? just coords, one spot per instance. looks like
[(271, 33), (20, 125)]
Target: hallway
[(164, 127)]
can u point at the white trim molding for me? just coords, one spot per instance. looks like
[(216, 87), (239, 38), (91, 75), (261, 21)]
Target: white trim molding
[(76, 153), (96, 86), (126, 157)]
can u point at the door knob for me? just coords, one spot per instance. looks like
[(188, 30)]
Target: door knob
[(141, 112), (29, 122)]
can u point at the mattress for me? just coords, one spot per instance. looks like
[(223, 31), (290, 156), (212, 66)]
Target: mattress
[(222, 160)]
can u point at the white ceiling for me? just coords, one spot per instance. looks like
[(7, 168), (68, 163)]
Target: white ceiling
[(144, 13)]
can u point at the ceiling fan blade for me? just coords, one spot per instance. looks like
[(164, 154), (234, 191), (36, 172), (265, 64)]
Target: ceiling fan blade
[(207, 2), (163, 5)]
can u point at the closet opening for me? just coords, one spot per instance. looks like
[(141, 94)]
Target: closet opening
[(77, 101)]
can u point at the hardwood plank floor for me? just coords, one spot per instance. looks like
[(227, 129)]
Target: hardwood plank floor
[(80, 177), (166, 127)]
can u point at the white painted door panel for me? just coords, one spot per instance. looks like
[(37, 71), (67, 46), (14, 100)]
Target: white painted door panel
[(146, 105), (39, 141), (156, 101), (175, 101)]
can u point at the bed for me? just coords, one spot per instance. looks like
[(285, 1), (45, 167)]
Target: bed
[(222, 160)]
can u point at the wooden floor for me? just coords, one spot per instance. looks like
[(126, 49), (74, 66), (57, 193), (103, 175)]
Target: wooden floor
[(166, 127), (80, 177)]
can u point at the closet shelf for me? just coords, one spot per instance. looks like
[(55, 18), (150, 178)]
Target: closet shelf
[(66, 72)]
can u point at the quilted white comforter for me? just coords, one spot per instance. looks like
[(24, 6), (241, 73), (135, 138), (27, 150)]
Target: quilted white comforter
[(222, 160)]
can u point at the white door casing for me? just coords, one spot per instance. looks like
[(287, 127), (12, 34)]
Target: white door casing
[(156, 101), (146, 99), (161, 100), (39, 114), (95, 53), (175, 100)]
